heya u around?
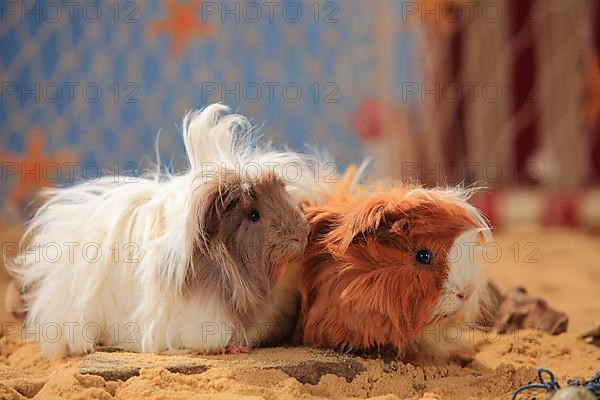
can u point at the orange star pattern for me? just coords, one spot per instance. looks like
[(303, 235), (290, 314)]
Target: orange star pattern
[(181, 23), (33, 170)]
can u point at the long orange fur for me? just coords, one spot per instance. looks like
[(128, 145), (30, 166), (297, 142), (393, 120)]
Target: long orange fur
[(361, 288)]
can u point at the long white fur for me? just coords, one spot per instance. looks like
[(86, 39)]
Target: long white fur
[(452, 318), (75, 303)]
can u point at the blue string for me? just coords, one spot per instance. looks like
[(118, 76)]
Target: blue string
[(593, 385), (550, 385)]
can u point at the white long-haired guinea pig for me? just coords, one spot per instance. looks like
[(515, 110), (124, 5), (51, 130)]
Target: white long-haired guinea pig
[(193, 261)]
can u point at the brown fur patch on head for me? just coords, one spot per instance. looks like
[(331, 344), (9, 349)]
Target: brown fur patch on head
[(361, 285), (250, 227)]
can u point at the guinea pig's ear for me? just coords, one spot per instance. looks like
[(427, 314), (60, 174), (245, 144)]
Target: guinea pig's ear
[(220, 198), (375, 218), (394, 225)]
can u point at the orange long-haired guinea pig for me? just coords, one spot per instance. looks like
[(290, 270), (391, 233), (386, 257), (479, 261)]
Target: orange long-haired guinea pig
[(392, 267)]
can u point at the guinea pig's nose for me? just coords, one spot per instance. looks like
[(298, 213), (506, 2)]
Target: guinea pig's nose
[(464, 294)]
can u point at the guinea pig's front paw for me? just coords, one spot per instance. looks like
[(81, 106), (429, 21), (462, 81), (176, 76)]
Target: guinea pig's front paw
[(235, 349), (463, 356)]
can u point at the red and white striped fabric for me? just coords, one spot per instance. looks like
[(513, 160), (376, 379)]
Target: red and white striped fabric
[(541, 208), (545, 110)]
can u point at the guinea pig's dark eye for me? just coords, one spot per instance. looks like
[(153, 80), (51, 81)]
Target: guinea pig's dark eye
[(423, 256), (253, 215)]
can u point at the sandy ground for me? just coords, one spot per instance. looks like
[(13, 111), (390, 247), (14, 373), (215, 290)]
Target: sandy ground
[(560, 266)]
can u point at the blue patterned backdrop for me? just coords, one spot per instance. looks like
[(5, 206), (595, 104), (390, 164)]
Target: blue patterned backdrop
[(93, 82)]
